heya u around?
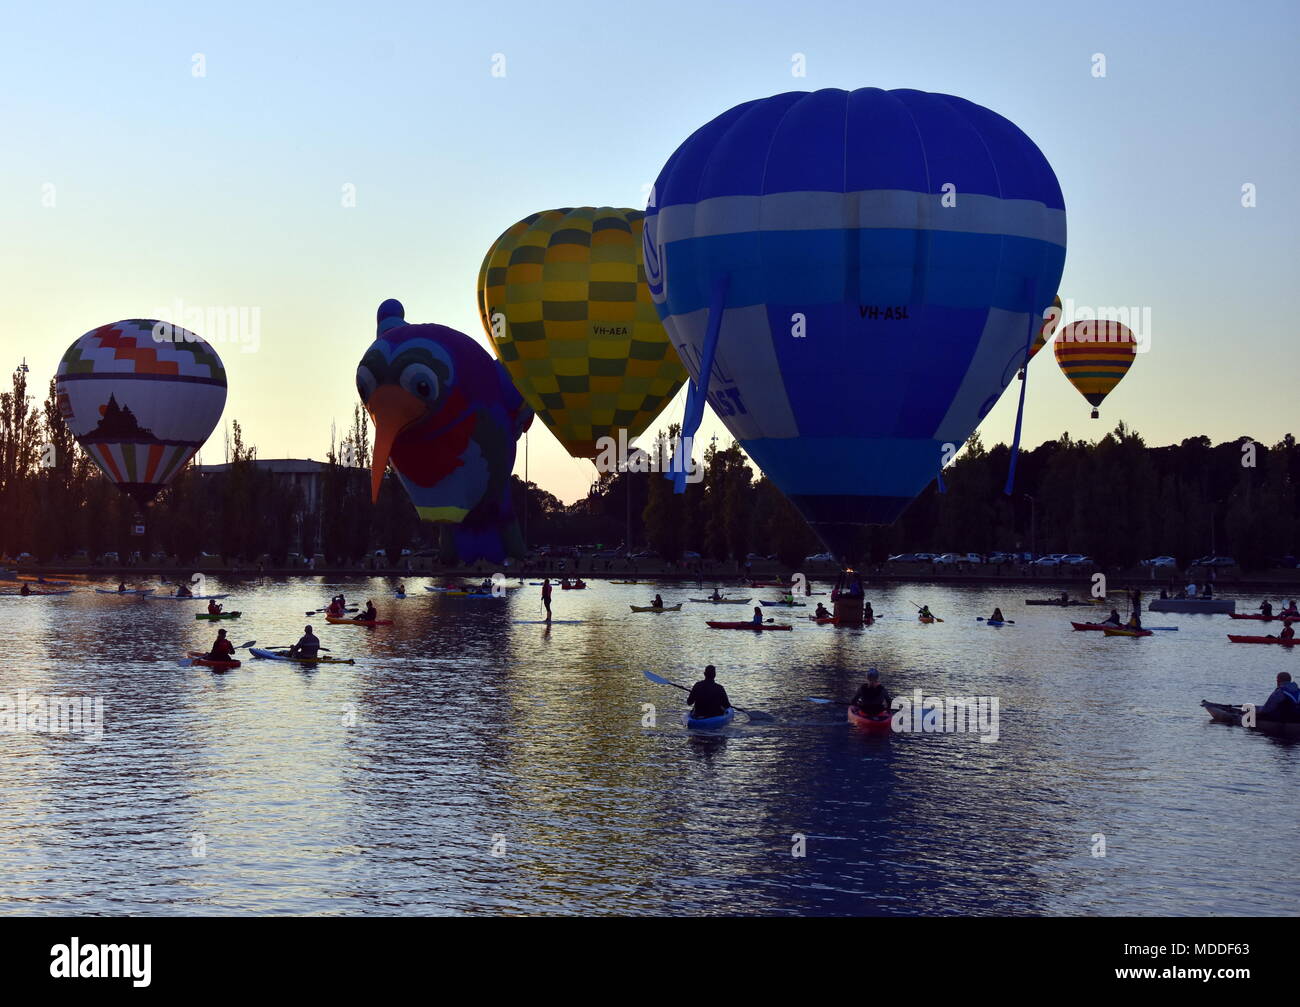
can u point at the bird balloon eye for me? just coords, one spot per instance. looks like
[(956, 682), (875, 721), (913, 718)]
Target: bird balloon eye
[(420, 381), (366, 383)]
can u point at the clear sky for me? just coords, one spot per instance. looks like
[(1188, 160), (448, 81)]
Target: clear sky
[(128, 182)]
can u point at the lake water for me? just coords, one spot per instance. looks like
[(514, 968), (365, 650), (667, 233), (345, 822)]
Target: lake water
[(467, 764)]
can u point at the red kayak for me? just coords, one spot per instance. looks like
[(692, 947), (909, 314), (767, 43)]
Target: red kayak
[(745, 625), (574, 587), (207, 662), (1263, 639), (880, 723), (1266, 618), (1093, 625)]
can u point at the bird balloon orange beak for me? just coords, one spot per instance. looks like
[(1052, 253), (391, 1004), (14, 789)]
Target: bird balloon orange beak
[(393, 409)]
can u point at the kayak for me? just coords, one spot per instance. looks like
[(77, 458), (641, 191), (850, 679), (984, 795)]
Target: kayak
[(925, 618), (37, 594), (574, 587), (131, 591), (1058, 602), (745, 625), (279, 655), (217, 615), (1266, 618), (995, 622), (625, 582), (651, 608), (188, 597), (1099, 626), (207, 662), (784, 604), (723, 601), (1264, 639), (709, 723), (341, 621), (1225, 714), (1125, 631), (881, 722), (830, 619)]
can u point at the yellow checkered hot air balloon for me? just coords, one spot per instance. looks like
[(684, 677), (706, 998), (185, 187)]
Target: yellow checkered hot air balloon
[(563, 298), (1094, 355)]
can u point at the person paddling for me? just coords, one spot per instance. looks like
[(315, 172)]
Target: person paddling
[(401, 590), (868, 613), (822, 612), (1266, 607), (222, 649), (1283, 703), (1113, 619), (1288, 632), (121, 587), (708, 698), (716, 595), (924, 613), (546, 597), (213, 608), (307, 646), (996, 616), (872, 698), (184, 592), (1135, 620), (370, 614), (25, 590), (758, 617), (657, 603), (1290, 611)]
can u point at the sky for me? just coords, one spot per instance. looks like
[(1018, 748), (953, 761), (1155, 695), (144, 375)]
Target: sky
[(164, 156)]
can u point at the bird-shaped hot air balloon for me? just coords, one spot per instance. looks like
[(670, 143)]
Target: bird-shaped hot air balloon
[(856, 277), (141, 397), (563, 298), (447, 416), (1095, 354)]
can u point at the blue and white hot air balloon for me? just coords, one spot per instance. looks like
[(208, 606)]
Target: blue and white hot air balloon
[(860, 274)]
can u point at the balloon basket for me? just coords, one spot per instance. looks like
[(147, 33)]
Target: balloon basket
[(848, 611), (1095, 414)]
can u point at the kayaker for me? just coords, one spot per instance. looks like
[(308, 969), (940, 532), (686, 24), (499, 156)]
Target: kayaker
[(657, 603), (25, 590), (1290, 611), (307, 646), (546, 597), (716, 595), (1135, 620), (996, 616), (1113, 619), (401, 590), (184, 592), (1267, 608), (370, 614), (121, 587), (1288, 632), (222, 649), (924, 613), (822, 612), (787, 598), (1065, 597), (867, 612), (872, 697), (335, 608), (708, 698), (758, 617), (213, 608), (1284, 702)]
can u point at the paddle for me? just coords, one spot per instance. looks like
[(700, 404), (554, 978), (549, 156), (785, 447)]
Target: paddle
[(934, 617), (753, 715), (834, 702), (1008, 622)]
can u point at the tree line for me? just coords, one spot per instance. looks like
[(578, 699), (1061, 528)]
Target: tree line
[(1115, 499)]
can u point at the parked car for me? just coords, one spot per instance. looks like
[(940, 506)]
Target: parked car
[(821, 557), (1077, 559), (1215, 561), (1162, 561), (903, 557), (1048, 561), (925, 557), (1005, 557), (690, 554)]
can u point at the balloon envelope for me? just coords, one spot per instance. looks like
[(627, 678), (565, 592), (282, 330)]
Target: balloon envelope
[(563, 298), (878, 258), (1095, 354), (141, 397)]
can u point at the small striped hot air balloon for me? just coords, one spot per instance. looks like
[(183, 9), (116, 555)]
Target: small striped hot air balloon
[(563, 297), (141, 397), (1095, 354)]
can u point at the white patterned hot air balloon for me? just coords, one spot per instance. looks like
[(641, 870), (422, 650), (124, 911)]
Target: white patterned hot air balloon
[(141, 397)]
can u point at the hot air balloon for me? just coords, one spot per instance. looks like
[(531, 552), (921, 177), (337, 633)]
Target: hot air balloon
[(1095, 354), (141, 397), (447, 416), (563, 298), (856, 277), (1051, 319)]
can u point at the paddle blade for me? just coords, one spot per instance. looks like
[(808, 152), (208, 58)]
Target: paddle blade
[(818, 699), (657, 679)]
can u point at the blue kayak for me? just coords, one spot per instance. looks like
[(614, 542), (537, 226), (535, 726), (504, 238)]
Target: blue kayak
[(710, 723)]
